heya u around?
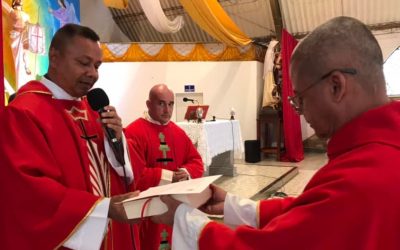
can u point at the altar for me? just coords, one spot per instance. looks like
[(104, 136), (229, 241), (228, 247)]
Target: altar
[(218, 143)]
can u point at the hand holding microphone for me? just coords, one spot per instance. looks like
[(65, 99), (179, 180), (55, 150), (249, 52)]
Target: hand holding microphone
[(110, 118), (98, 101)]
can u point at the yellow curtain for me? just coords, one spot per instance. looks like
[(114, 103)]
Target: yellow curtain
[(117, 4), (167, 53), (212, 18)]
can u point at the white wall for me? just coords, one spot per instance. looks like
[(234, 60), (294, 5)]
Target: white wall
[(95, 15), (224, 85)]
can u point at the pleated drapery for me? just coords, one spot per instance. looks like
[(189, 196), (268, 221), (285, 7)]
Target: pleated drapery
[(212, 18), (291, 120), (175, 52), (156, 16), (117, 4), (2, 92)]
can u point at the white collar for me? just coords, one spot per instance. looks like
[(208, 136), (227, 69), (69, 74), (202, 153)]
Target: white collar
[(149, 119), (57, 91)]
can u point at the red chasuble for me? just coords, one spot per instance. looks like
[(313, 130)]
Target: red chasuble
[(54, 172), (158, 147), (351, 203)]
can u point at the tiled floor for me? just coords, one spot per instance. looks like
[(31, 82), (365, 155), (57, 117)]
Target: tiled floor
[(252, 178)]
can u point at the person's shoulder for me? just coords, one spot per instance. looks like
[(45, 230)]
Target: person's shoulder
[(177, 129), (33, 96), (172, 124), (137, 124)]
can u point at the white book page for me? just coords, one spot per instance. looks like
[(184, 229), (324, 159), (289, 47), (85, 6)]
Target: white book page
[(191, 186)]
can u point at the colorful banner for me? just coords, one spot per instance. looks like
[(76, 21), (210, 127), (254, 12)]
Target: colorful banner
[(28, 27)]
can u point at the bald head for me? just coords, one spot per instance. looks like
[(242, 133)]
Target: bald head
[(160, 103), (159, 89), (342, 42), (337, 74)]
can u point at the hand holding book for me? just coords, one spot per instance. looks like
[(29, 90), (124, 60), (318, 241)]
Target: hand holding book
[(215, 205), (194, 192), (116, 210), (167, 218)]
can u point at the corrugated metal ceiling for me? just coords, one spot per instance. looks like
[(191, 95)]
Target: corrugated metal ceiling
[(256, 18), (301, 16)]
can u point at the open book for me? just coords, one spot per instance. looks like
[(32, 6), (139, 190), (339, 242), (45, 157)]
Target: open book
[(194, 192)]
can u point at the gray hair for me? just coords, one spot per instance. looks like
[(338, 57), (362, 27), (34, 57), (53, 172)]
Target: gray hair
[(340, 42)]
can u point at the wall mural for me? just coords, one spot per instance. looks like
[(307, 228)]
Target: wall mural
[(28, 26)]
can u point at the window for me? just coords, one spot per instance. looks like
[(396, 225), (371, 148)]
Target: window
[(392, 73)]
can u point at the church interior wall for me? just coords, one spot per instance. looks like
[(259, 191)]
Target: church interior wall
[(224, 85)]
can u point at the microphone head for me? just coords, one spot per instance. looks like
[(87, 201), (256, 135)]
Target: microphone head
[(185, 99), (97, 99)]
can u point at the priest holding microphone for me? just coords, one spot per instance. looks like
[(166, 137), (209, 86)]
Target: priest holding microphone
[(62, 177)]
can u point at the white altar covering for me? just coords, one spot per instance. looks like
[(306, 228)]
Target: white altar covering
[(214, 138)]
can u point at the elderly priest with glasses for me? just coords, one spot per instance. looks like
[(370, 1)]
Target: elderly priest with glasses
[(352, 202)]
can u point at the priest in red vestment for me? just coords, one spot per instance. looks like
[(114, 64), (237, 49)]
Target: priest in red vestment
[(353, 201), (61, 184), (163, 153)]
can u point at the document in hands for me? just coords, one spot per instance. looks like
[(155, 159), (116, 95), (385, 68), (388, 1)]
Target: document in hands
[(194, 192)]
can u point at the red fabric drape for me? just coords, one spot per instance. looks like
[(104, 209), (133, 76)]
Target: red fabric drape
[(1, 65), (291, 120)]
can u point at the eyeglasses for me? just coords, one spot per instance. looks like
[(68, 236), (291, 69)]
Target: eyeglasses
[(297, 102)]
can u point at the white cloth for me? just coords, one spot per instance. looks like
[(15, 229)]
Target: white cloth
[(214, 138), (166, 177), (94, 227), (91, 233), (189, 222), (157, 18), (239, 211), (269, 57), (269, 82)]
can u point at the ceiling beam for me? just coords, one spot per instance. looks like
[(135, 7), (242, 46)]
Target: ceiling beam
[(277, 17)]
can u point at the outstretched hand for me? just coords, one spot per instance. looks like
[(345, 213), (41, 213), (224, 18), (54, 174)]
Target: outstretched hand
[(116, 210), (215, 205), (167, 217)]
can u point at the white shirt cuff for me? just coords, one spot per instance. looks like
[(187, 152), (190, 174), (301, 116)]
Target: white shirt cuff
[(240, 211), (89, 235), (166, 177), (115, 164), (188, 224)]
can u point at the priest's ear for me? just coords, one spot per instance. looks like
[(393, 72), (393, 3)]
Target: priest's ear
[(54, 57), (338, 86)]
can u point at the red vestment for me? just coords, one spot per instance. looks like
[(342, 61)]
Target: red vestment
[(353, 202), (45, 168), (158, 147)]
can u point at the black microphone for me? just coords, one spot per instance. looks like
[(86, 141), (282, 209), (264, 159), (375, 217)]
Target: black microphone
[(97, 100), (185, 99)]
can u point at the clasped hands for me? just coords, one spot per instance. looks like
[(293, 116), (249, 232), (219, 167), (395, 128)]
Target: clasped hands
[(180, 175)]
